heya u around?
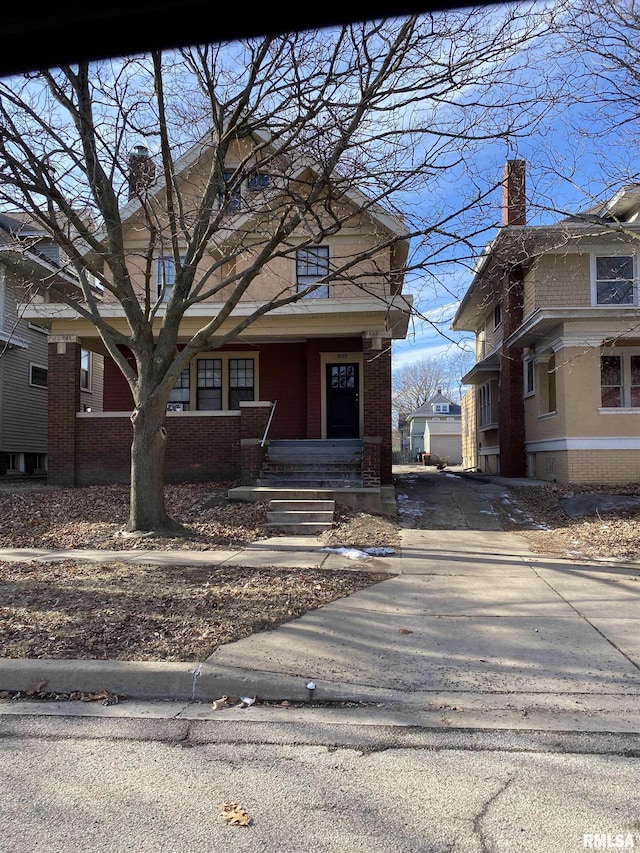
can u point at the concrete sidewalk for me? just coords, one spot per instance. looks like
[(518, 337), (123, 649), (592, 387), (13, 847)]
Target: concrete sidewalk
[(472, 630)]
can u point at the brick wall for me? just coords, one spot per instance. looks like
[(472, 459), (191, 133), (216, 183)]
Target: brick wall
[(64, 402), (199, 449), (377, 399)]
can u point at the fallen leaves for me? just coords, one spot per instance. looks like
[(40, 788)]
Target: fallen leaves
[(234, 814), (119, 611)]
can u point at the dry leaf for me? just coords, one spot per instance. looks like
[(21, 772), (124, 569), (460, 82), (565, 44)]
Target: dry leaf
[(36, 687), (234, 814), (405, 631)]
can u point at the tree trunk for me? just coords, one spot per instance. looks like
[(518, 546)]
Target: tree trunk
[(147, 511)]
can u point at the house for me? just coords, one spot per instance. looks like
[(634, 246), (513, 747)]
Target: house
[(23, 350), (556, 314), (314, 373), (435, 429)]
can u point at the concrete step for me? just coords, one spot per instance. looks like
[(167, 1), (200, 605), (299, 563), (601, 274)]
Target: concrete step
[(304, 516), (303, 466), (288, 505), (299, 482)]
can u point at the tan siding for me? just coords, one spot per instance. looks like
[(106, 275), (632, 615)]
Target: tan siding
[(560, 280)]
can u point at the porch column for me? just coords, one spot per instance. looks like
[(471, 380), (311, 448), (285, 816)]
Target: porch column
[(63, 403), (376, 382), (254, 417), (513, 459)]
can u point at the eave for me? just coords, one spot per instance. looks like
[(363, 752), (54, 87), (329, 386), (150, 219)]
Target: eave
[(309, 317), (483, 371), (543, 323)]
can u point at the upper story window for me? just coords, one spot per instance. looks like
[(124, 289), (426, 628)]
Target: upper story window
[(85, 370), (484, 405), (258, 181), (312, 264), (441, 408), (229, 199), (165, 276), (614, 280), (497, 315)]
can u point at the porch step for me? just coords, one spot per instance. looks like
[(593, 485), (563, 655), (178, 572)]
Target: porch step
[(303, 516), (321, 463)]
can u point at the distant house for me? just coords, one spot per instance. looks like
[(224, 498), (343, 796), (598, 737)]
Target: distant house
[(435, 429), (24, 371), (556, 314)]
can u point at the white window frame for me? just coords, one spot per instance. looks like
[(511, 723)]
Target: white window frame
[(86, 387), (441, 408), (497, 316), (528, 376), (225, 357), (164, 264), (625, 355), (594, 278), (38, 367), (303, 281), (484, 405)]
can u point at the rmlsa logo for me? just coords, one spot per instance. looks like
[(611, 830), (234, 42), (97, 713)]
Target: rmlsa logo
[(606, 841)]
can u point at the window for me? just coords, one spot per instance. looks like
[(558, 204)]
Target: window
[(497, 315), (484, 405), (620, 381), (38, 376), (529, 376), (441, 408), (312, 264), (85, 370), (179, 397), (241, 385), (614, 280), (258, 181), (229, 200), (209, 384), (166, 276)]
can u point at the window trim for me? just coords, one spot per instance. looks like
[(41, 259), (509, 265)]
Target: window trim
[(225, 356), (497, 316), (87, 388), (33, 384), (625, 354), (165, 289), (528, 373), (635, 289), (484, 390), (322, 292)]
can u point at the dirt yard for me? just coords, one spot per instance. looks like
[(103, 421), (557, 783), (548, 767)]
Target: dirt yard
[(123, 612)]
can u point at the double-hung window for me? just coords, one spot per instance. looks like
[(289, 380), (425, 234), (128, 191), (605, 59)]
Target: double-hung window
[(614, 280), (179, 397), (230, 200), (312, 265), (258, 181), (484, 405), (166, 276), (85, 370), (620, 380)]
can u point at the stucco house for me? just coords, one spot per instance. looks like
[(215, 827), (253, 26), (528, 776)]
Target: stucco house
[(556, 314), (435, 429), (23, 349), (312, 374)]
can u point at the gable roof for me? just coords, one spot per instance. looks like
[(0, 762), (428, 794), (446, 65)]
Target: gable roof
[(427, 410)]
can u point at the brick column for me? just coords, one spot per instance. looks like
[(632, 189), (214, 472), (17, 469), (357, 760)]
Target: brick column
[(64, 402), (254, 417), (376, 390), (513, 459)]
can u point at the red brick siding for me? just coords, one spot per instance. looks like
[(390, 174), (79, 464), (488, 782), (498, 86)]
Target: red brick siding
[(199, 449), (377, 400), (64, 402)]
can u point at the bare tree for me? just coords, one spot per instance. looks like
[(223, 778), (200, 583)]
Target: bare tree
[(385, 110), (414, 384)]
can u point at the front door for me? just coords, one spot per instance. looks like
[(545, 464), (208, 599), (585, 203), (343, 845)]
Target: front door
[(343, 400)]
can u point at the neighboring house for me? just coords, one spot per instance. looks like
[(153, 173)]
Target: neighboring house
[(556, 313), (23, 351), (326, 360), (435, 429)]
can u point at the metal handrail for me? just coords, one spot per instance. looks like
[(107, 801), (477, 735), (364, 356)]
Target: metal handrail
[(266, 432)]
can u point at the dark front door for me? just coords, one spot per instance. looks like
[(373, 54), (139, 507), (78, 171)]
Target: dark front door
[(343, 401)]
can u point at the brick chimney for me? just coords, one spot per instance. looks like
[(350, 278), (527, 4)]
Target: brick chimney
[(514, 201), (142, 171)]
